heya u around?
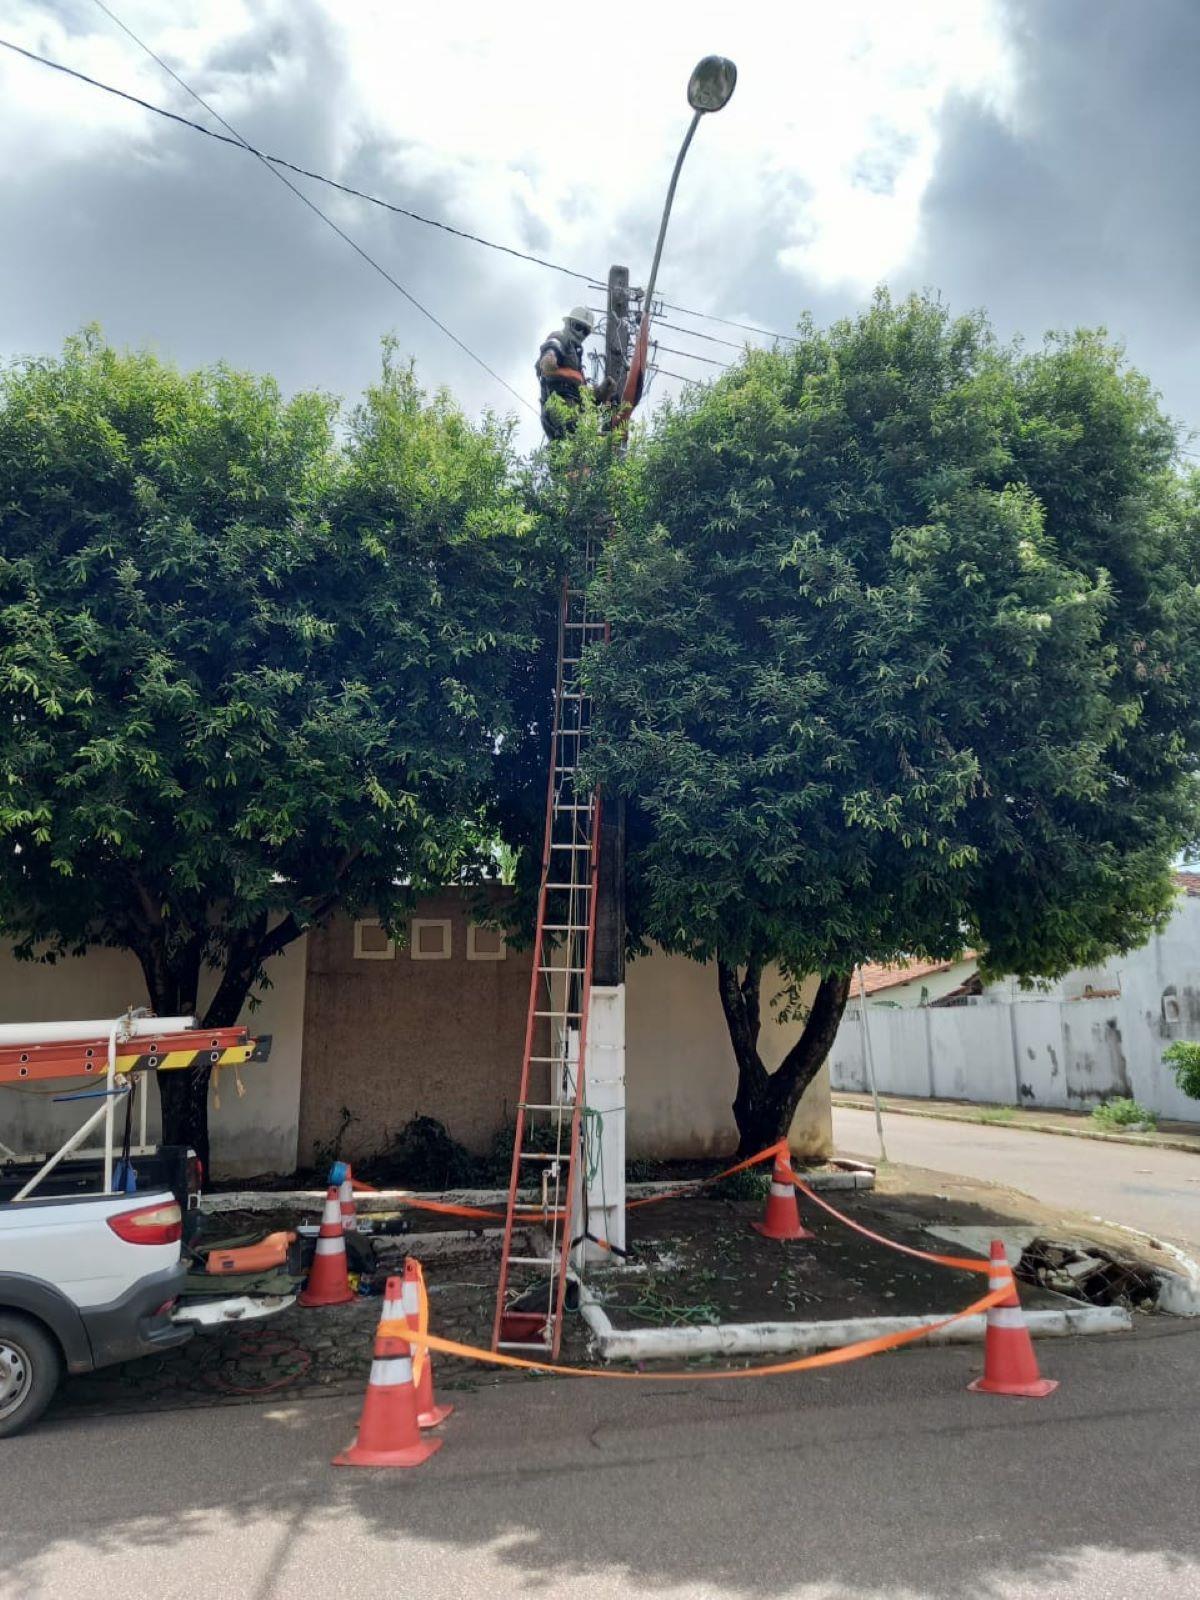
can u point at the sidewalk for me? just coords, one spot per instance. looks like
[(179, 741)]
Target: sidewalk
[(1072, 1124)]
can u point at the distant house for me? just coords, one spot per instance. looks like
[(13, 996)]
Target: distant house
[(919, 983)]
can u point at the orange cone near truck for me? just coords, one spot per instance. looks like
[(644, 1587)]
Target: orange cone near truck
[(329, 1277), (389, 1434)]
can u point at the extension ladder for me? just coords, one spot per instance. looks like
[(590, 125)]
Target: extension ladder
[(532, 1289)]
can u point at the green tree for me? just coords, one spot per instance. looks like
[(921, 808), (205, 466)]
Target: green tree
[(255, 659), (905, 655)]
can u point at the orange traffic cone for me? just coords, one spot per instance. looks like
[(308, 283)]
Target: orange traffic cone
[(1009, 1364), (429, 1413), (328, 1277), (388, 1434), (346, 1202), (782, 1218)]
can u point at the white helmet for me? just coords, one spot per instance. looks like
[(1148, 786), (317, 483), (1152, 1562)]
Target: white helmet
[(580, 317)]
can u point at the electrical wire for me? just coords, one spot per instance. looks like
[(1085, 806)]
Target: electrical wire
[(707, 360), (359, 194), (315, 209)]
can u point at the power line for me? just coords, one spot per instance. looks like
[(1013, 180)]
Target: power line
[(707, 360), (358, 194), (280, 161), (730, 344), (313, 207)]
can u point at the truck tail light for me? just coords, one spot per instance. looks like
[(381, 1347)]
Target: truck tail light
[(158, 1224)]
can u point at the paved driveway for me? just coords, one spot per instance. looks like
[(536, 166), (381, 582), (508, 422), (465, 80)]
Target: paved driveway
[(1156, 1190)]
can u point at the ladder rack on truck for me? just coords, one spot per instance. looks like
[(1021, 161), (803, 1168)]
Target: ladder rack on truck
[(114, 1050)]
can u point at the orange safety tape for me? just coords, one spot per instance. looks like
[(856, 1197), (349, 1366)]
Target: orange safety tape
[(422, 1354), (528, 1214), (698, 1183), (827, 1358), (960, 1263)]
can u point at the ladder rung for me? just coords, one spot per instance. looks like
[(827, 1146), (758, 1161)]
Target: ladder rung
[(517, 1344), (565, 927), (600, 625), (543, 1155), (533, 1261), (563, 1016), (583, 886), (566, 845), (571, 971), (533, 1105)]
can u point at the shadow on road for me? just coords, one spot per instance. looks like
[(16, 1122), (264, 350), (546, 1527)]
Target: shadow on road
[(884, 1478)]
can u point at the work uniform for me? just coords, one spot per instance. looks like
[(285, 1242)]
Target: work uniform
[(568, 353)]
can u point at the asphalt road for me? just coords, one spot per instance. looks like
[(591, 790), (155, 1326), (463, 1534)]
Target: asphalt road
[(1156, 1190), (882, 1479)]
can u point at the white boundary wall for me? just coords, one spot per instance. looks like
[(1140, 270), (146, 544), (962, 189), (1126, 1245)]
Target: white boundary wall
[(1065, 1054)]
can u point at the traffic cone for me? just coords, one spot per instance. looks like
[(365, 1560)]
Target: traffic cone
[(782, 1218), (328, 1277), (1009, 1364), (344, 1178), (429, 1413), (388, 1433)]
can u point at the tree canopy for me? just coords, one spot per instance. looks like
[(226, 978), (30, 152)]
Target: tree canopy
[(255, 659), (905, 656)]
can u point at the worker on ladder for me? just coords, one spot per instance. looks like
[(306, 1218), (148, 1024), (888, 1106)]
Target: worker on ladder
[(560, 373)]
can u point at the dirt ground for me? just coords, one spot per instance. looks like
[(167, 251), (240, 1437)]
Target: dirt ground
[(692, 1261)]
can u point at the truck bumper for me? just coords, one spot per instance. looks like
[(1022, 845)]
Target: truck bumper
[(139, 1323)]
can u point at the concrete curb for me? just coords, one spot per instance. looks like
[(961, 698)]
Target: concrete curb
[(1143, 1141), (803, 1338), (857, 1175)]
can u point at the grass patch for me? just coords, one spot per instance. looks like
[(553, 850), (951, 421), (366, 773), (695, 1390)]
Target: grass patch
[(1113, 1115), (996, 1114)]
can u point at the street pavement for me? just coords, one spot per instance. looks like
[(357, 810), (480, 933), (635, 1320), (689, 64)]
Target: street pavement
[(881, 1479), (1155, 1190)]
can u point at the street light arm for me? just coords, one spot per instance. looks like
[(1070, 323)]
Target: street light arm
[(662, 227)]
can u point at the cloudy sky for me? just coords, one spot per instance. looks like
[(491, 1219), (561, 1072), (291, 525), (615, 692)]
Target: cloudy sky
[(1033, 157)]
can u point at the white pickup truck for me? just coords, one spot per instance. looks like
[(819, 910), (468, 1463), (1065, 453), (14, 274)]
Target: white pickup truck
[(85, 1281)]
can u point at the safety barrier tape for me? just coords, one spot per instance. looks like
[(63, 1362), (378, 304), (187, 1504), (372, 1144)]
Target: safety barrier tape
[(445, 1208), (859, 1350), (959, 1263), (826, 1358)]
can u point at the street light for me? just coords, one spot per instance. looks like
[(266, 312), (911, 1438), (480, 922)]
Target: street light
[(710, 86)]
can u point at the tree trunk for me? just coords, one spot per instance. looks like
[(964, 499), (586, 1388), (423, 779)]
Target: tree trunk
[(766, 1102), (172, 978)]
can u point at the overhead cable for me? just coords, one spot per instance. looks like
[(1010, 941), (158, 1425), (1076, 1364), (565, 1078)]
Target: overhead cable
[(360, 194), (313, 207)]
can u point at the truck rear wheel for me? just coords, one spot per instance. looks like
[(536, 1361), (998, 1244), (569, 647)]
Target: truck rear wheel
[(30, 1368)]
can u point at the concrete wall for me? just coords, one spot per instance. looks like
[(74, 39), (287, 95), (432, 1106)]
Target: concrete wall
[(398, 1038), (681, 1076), (255, 1133), (1046, 1051), (393, 1039)]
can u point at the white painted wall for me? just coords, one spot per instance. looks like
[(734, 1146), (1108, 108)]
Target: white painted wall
[(1046, 1051), (256, 1133), (681, 1077)]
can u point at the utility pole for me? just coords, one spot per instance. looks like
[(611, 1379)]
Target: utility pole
[(601, 1181)]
